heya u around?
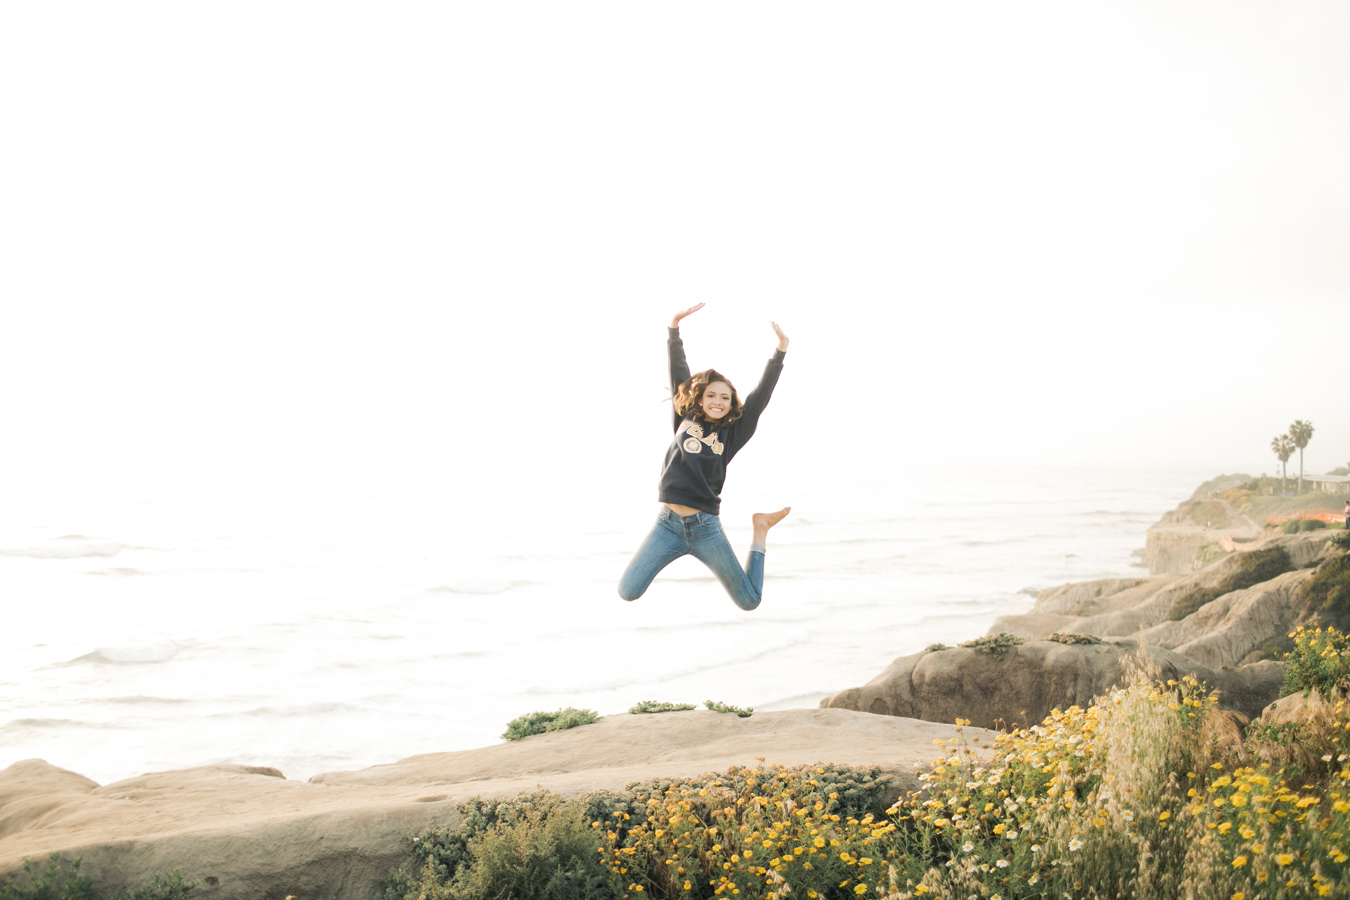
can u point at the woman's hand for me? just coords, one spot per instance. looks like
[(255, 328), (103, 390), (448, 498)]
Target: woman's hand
[(675, 322), (782, 338)]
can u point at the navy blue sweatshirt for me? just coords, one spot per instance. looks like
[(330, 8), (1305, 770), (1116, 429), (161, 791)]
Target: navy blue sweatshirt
[(696, 463)]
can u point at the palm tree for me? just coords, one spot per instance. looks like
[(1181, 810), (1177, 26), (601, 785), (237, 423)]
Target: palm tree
[(1283, 447), (1300, 433)]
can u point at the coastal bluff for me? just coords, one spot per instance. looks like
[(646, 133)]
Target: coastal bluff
[(1224, 624), (247, 832), (1182, 541)]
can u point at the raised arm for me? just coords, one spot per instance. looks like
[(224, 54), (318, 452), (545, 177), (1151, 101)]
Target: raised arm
[(757, 399), (679, 366), (675, 322)]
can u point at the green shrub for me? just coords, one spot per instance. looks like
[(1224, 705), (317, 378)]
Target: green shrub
[(546, 855), (933, 648), (540, 722), (1276, 648), (1320, 660), (1060, 638), (61, 880), (652, 706), (1192, 601), (1328, 591), (1292, 526), (997, 644), (58, 880), (1342, 540), (532, 845), (718, 706), (1252, 568)]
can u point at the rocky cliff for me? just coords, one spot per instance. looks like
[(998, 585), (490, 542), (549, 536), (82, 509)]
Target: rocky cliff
[(1081, 640)]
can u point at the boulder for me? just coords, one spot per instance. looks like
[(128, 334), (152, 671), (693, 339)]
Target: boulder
[(1024, 683), (1302, 729)]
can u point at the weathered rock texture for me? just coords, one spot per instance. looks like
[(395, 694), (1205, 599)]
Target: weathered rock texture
[(1225, 632), (249, 833), (1220, 643), (1304, 730), (1025, 683)]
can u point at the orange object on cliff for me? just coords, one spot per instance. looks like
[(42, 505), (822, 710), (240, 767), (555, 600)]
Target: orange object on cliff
[(1321, 515)]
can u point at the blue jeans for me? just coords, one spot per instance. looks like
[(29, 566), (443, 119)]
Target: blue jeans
[(701, 535)]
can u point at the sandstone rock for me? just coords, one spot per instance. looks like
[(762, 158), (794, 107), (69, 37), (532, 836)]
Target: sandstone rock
[(1295, 709), (1086, 598), (1034, 626), (1175, 549), (1026, 682), (246, 832), (1300, 729), (1224, 631), (1109, 607)]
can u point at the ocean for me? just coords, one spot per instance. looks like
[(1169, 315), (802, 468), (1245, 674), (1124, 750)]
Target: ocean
[(171, 630)]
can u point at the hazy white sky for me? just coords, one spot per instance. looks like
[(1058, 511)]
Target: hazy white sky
[(333, 244)]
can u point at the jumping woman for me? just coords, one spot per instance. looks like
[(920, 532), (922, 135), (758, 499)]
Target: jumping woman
[(711, 426)]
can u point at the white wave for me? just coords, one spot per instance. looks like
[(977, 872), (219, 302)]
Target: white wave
[(317, 708), (145, 653), (74, 551)]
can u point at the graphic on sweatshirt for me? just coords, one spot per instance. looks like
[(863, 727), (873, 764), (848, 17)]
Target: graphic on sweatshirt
[(696, 441)]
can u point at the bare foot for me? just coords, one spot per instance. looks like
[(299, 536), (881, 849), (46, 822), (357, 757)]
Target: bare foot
[(764, 521), (768, 520)]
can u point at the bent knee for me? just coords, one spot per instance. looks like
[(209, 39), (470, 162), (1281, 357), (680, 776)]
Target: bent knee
[(749, 604), (630, 593)]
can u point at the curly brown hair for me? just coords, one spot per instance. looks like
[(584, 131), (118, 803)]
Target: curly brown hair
[(689, 398)]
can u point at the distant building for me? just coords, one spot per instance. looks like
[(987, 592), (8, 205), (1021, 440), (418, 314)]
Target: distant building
[(1331, 484)]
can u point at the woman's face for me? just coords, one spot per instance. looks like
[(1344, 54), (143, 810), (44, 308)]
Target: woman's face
[(716, 400)]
